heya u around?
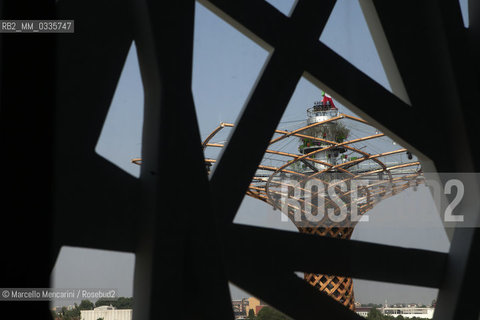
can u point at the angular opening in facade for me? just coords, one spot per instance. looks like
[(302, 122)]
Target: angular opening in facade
[(101, 283), (226, 65), (349, 34), (121, 138), (284, 6)]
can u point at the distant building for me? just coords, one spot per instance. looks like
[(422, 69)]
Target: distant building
[(107, 313), (408, 312), (258, 308), (363, 311), (240, 308), (240, 304), (252, 305)]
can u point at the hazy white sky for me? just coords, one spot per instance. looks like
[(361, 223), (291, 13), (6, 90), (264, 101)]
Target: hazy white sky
[(226, 65)]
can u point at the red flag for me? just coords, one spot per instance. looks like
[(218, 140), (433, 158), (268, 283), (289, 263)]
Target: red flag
[(326, 99)]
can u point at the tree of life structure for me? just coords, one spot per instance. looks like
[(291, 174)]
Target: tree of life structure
[(336, 170)]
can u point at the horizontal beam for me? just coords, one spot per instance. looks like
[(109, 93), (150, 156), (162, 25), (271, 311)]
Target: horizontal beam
[(291, 251)]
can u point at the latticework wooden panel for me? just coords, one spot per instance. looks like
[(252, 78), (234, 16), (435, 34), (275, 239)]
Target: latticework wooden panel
[(339, 288)]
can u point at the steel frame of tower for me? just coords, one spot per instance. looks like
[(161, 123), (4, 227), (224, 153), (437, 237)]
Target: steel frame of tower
[(55, 92)]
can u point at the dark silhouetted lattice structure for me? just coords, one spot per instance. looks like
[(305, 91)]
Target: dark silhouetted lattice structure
[(55, 91)]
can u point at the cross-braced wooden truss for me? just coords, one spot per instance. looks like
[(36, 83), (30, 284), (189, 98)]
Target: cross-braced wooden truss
[(382, 174)]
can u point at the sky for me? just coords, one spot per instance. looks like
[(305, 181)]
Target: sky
[(226, 65)]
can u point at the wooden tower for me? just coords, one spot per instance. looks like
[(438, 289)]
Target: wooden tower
[(328, 153)]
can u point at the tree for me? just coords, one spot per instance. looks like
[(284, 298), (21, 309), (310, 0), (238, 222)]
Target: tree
[(86, 305), (64, 309), (374, 314), (268, 313), (124, 303), (103, 302), (251, 315), (119, 303), (74, 313)]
